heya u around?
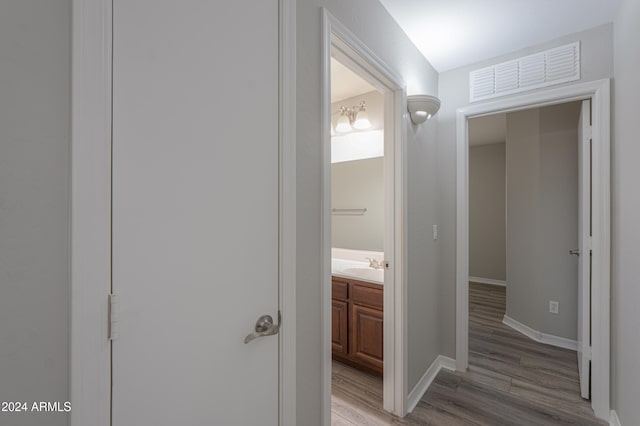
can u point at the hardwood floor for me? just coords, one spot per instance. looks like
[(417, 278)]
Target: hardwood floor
[(512, 380)]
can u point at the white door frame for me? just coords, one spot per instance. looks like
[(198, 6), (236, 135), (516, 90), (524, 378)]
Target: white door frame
[(599, 93), (90, 349), (339, 41)]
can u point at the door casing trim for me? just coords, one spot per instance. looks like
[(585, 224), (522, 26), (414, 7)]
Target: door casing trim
[(90, 206), (599, 93), (287, 211), (90, 349)]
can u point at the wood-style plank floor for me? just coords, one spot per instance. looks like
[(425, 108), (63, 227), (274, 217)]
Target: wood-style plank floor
[(512, 380)]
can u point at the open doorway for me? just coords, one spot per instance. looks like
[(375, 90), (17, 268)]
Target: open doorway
[(357, 241), (590, 344), (363, 300), (525, 221)]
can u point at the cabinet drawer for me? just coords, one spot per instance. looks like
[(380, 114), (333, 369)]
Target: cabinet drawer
[(367, 296), (339, 290)]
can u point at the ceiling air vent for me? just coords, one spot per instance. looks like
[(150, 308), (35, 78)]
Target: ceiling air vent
[(554, 66)]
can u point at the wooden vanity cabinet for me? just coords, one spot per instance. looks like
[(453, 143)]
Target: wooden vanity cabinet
[(357, 324)]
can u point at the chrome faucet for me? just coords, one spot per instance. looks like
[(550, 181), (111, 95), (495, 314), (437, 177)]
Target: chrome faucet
[(375, 264)]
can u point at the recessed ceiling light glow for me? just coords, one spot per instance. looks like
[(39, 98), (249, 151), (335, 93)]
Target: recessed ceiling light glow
[(452, 34)]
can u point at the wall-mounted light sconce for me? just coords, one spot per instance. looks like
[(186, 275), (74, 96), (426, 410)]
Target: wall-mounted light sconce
[(422, 107), (355, 117)]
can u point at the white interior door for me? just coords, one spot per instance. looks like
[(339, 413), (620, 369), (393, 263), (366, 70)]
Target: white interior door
[(195, 211), (584, 242)]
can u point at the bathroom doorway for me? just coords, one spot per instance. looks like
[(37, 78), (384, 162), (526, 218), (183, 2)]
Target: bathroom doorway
[(357, 241), (362, 280)]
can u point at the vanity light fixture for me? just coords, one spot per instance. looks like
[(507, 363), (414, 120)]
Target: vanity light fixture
[(355, 117), (422, 107)]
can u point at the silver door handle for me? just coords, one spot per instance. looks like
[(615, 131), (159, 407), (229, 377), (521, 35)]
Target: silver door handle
[(264, 327), (574, 252)]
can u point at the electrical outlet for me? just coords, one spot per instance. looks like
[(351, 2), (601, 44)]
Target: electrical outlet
[(554, 306)]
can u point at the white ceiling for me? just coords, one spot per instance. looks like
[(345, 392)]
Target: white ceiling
[(345, 83), (454, 33)]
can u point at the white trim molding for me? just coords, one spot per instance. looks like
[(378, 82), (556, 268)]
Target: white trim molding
[(538, 336), (613, 419), (287, 211), (340, 42), (429, 376), (599, 93), (489, 281), (90, 349)]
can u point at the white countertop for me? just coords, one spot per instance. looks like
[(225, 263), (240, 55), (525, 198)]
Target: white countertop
[(356, 270)]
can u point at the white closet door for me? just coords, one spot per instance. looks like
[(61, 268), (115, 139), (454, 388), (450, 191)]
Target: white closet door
[(195, 211), (584, 243)]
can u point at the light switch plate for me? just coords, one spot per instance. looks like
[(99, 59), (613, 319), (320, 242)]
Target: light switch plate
[(554, 306), (435, 232)]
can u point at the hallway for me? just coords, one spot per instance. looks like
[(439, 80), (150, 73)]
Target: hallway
[(512, 380)]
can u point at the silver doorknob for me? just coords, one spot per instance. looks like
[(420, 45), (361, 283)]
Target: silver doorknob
[(574, 252), (264, 327)]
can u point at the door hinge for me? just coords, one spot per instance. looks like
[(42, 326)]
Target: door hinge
[(589, 132), (114, 314), (385, 264), (588, 241), (587, 352)]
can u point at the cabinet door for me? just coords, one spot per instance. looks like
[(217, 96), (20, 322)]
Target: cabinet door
[(366, 339), (340, 327)]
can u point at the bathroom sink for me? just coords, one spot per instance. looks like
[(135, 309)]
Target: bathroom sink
[(370, 274)]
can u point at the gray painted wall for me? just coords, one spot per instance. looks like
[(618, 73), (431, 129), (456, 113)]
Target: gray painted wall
[(487, 227), (542, 217), (358, 184), (625, 211), (375, 27), (35, 39), (597, 63)]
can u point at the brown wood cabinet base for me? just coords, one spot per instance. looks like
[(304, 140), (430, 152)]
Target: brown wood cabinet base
[(357, 324), (355, 364)]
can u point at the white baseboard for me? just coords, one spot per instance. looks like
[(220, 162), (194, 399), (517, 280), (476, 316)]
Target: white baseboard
[(421, 387), (613, 419), (538, 336), (489, 281)]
